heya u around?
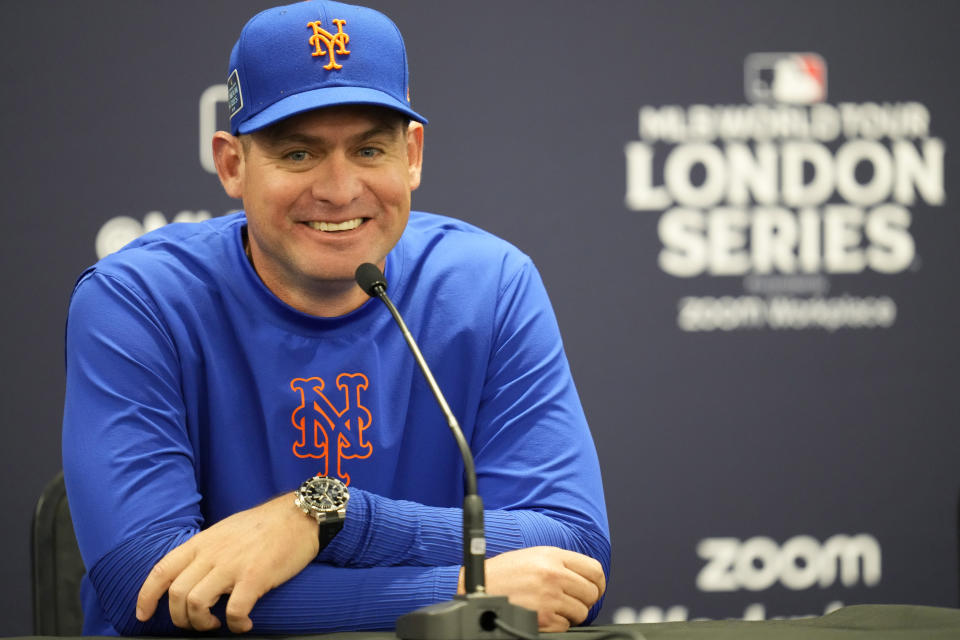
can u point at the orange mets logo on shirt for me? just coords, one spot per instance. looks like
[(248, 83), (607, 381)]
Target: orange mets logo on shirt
[(324, 428), (336, 43)]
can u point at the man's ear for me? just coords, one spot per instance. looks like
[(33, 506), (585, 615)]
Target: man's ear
[(415, 153), (229, 160)]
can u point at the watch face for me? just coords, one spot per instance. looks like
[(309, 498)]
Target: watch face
[(325, 494)]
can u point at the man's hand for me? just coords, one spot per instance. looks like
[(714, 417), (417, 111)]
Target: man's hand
[(245, 555), (559, 585)]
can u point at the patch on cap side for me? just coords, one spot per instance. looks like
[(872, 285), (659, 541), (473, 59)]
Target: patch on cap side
[(234, 95)]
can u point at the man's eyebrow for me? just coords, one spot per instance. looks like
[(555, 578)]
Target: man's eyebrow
[(277, 138), (378, 130)]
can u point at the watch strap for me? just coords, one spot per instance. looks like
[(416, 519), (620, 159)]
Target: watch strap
[(327, 531)]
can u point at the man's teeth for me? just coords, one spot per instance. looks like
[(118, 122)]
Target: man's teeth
[(336, 226)]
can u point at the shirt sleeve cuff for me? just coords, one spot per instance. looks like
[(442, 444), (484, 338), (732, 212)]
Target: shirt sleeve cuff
[(346, 543)]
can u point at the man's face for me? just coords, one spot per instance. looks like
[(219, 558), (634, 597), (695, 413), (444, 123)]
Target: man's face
[(326, 191)]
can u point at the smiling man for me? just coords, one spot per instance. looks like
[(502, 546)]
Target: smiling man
[(247, 441)]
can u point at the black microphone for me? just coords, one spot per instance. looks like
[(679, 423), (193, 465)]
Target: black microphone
[(476, 615), (371, 280)]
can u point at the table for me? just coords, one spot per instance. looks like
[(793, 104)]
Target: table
[(855, 622)]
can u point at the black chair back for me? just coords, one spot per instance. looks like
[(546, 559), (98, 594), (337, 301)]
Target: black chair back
[(57, 565)]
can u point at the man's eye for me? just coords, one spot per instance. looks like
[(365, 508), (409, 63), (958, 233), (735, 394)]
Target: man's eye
[(297, 156), (369, 152)]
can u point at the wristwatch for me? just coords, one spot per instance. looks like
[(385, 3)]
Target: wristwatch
[(324, 499)]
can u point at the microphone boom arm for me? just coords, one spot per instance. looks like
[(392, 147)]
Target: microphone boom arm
[(469, 472), (475, 546), (475, 615)]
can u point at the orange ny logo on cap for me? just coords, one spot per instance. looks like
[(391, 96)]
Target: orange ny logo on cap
[(322, 37)]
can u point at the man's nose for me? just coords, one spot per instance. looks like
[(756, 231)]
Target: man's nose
[(336, 181)]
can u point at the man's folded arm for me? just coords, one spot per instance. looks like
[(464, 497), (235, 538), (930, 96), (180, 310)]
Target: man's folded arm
[(367, 597), (403, 533), (381, 531), (320, 598)]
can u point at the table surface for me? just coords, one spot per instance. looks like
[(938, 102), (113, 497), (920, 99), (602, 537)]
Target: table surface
[(856, 622)]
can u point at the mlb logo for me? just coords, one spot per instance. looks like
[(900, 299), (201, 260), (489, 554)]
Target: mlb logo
[(785, 78)]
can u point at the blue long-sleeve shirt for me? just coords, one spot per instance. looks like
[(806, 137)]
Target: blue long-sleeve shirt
[(194, 393)]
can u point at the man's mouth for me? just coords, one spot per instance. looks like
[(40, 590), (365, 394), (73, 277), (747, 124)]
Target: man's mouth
[(346, 225)]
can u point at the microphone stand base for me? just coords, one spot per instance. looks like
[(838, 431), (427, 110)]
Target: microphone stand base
[(466, 617)]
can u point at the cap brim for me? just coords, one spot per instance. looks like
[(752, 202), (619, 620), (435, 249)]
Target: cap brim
[(325, 97)]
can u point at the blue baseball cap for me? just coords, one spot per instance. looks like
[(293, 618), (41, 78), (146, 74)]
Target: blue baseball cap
[(315, 54)]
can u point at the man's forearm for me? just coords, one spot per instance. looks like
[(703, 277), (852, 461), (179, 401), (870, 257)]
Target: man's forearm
[(320, 598), (380, 531)]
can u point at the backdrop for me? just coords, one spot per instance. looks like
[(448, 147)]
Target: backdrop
[(741, 211)]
